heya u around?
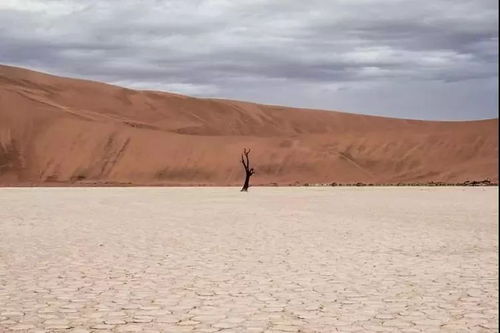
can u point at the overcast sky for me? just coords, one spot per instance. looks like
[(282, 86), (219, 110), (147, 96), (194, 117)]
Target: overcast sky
[(431, 59)]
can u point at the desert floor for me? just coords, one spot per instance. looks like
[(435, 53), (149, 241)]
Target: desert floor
[(271, 260)]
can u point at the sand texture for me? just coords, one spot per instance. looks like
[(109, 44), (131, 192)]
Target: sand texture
[(272, 260), (68, 131)]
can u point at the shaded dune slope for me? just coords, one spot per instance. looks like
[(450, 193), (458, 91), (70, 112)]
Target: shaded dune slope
[(55, 129)]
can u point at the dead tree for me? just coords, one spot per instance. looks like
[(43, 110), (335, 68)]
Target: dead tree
[(248, 171)]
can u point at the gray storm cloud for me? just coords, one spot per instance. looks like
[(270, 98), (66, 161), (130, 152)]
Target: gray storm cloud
[(429, 60)]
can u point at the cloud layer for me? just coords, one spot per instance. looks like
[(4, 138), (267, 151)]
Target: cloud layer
[(431, 60)]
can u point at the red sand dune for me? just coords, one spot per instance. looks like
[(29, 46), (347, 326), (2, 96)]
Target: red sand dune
[(62, 130)]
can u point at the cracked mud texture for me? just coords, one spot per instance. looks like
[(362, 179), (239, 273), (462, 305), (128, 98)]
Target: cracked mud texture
[(270, 260)]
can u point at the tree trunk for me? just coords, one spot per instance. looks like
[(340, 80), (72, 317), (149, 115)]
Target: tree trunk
[(247, 182), (248, 170)]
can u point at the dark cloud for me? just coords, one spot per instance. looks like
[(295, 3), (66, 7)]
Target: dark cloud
[(380, 57)]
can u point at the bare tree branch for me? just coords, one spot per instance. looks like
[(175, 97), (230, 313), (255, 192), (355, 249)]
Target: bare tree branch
[(243, 161)]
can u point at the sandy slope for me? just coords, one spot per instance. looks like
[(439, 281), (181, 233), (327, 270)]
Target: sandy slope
[(55, 129)]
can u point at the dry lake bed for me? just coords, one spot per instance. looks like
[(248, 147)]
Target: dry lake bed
[(391, 259)]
